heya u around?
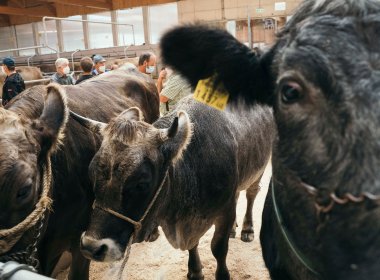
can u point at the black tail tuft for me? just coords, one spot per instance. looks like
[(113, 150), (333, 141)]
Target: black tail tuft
[(198, 52)]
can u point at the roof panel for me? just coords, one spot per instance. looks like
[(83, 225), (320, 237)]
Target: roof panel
[(20, 11)]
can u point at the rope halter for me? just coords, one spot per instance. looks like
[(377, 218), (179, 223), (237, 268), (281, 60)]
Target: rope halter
[(136, 224), (9, 237)]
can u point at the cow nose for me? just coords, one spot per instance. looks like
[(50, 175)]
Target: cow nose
[(100, 252), (93, 249)]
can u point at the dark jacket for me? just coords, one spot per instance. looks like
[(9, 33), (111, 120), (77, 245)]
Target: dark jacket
[(13, 85), (83, 78), (62, 80)]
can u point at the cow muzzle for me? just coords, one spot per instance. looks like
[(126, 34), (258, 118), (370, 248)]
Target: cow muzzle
[(103, 250)]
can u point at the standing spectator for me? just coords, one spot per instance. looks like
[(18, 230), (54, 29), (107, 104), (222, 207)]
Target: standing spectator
[(13, 83), (99, 65), (86, 64), (62, 76), (174, 90), (161, 78), (147, 63)]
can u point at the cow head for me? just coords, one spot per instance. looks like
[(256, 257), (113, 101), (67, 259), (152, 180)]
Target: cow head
[(323, 79), (25, 144), (127, 172)]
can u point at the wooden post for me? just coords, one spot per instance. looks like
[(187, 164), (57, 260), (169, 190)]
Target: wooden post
[(115, 29), (86, 33), (58, 24), (36, 38), (146, 21)]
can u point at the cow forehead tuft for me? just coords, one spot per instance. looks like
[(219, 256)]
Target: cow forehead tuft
[(15, 128), (8, 117), (129, 132), (11, 153), (122, 163)]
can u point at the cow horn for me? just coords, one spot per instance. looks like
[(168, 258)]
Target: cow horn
[(90, 124)]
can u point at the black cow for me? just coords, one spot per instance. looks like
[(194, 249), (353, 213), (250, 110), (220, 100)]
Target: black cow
[(322, 78), (207, 163), (29, 133)]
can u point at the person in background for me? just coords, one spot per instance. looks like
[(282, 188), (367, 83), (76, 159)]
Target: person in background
[(86, 64), (147, 63), (258, 52), (13, 83), (174, 90), (62, 76), (99, 65), (114, 67), (161, 79)]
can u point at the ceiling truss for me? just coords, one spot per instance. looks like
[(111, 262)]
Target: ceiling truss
[(13, 12)]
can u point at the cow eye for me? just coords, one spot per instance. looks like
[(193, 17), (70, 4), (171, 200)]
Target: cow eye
[(142, 187), (136, 189), (290, 92), (24, 192)]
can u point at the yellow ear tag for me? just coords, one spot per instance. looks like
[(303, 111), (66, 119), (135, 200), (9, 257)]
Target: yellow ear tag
[(207, 94)]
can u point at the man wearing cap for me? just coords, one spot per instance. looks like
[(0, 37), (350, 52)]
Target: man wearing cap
[(14, 83), (99, 65)]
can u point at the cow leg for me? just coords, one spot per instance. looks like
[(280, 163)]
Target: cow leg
[(47, 267), (80, 266), (194, 265), (49, 254), (219, 243), (63, 263), (235, 225), (247, 233)]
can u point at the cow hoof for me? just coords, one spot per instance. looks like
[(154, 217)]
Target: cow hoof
[(232, 234), (154, 235), (247, 236), (195, 276)]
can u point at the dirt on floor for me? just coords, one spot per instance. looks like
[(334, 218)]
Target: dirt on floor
[(159, 261)]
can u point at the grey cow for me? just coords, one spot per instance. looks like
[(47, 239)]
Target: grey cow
[(209, 156), (322, 77)]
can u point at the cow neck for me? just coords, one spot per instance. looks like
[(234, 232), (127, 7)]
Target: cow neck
[(288, 238), (9, 237)]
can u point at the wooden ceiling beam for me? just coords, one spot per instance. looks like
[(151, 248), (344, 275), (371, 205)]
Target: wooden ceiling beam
[(15, 4), (83, 3), (16, 20), (4, 20), (31, 12), (123, 4)]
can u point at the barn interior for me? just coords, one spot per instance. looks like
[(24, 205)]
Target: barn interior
[(36, 32)]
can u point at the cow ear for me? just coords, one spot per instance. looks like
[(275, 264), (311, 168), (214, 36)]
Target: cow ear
[(199, 52), (131, 114), (177, 137), (50, 125)]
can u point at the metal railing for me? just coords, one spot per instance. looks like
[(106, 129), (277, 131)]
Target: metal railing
[(40, 81), (28, 60), (32, 47), (45, 44), (72, 58)]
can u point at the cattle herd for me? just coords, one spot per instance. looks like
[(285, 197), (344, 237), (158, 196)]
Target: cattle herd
[(92, 168)]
